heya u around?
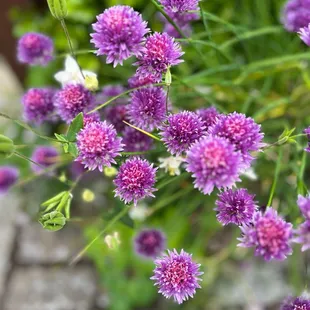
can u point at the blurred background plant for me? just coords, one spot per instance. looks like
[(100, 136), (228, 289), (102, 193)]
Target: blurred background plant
[(248, 63)]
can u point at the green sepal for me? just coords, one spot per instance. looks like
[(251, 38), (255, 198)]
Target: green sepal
[(58, 8), (53, 221), (54, 199)]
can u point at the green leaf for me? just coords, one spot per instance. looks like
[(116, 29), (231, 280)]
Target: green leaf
[(61, 137), (66, 147), (58, 8), (75, 127), (53, 221), (54, 199), (73, 150)]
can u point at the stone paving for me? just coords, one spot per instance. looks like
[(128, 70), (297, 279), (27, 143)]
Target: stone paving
[(34, 271)]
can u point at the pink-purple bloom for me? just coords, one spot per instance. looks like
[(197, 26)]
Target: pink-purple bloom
[(91, 118), (269, 234), (98, 145), (304, 34), (296, 303), (35, 49), (136, 141), (150, 243), (213, 162), (161, 52), (138, 81), (147, 109), (304, 206), (303, 235), (72, 100), (181, 131), (296, 15), (115, 115), (44, 156), (208, 116), (119, 34), (307, 132), (177, 275), (135, 180), (241, 131), (8, 177), (235, 206), (38, 104), (180, 5)]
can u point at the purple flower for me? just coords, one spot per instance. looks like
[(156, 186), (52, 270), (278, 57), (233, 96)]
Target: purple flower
[(296, 303), (241, 131), (180, 5), (304, 34), (136, 141), (307, 132), (235, 207), (147, 109), (76, 169), (269, 234), (177, 275), (304, 206), (303, 235), (38, 104), (8, 177), (45, 156), (161, 52), (296, 15), (72, 100), (181, 131), (208, 116), (150, 243), (119, 34), (110, 91), (135, 180), (172, 32), (98, 145), (213, 162), (137, 81), (115, 115), (35, 49), (91, 118)]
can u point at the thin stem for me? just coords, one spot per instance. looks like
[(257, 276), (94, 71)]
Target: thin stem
[(133, 153), (28, 159), (109, 225), (121, 95), (276, 177), (167, 98), (300, 186), (64, 26), (80, 52)]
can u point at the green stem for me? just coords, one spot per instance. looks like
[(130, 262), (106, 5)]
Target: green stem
[(300, 186), (276, 177), (121, 95), (167, 98), (109, 225), (133, 153), (80, 52), (27, 159)]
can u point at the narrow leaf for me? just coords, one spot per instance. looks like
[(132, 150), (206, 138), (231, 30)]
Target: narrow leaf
[(75, 126)]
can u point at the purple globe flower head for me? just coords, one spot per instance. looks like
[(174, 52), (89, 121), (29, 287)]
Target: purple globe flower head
[(137, 81), (38, 104), (241, 131), (208, 115), (45, 156), (177, 275), (136, 141), (304, 34), (119, 34), (296, 15), (115, 115), (91, 118), (213, 162), (35, 49), (112, 90), (296, 303), (147, 109), (303, 236), (181, 131), (304, 206), (180, 5), (269, 234), (150, 243), (98, 145), (307, 132), (72, 100), (235, 207), (161, 53), (8, 177), (135, 180), (172, 32)]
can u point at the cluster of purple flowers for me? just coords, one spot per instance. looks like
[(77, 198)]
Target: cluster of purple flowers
[(296, 18), (296, 303)]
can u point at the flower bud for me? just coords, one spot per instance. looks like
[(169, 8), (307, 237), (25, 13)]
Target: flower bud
[(7, 147), (91, 83), (88, 195), (58, 8), (53, 221), (110, 171), (112, 241)]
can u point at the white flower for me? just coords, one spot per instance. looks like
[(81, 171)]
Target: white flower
[(139, 212), (171, 164), (72, 73), (250, 174), (112, 241)]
